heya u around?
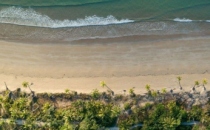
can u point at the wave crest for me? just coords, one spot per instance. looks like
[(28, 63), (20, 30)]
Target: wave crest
[(29, 17), (182, 20)]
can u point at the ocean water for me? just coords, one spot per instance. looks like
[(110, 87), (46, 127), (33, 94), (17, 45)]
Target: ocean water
[(83, 19)]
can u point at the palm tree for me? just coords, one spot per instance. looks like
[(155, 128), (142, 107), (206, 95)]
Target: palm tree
[(148, 90), (204, 82), (131, 91), (147, 87), (179, 79), (197, 83), (26, 84), (66, 91), (103, 84)]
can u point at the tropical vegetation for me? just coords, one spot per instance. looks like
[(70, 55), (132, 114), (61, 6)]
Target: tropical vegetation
[(102, 110)]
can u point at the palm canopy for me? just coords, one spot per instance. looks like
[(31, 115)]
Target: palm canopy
[(131, 91), (179, 78), (66, 90), (147, 87), (25, 84), (197, 82), (205, 81), (102, 84)]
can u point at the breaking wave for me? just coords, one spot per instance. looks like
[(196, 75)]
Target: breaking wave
[(29, 17), (189, 20), (182, 20)]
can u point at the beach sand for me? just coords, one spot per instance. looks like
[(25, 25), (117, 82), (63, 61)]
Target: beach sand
[(81, 67)]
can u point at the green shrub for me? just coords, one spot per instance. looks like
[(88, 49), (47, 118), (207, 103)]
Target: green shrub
[(195, 113), (127, 106), (95, 94)]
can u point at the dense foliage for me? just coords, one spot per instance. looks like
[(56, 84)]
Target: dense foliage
[(29, 111)]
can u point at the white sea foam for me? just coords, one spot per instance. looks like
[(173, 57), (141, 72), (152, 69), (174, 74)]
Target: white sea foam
[(189, 20), (29, 17), (182, 20)]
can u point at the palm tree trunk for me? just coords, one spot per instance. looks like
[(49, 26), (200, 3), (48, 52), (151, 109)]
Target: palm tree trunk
[(108, 87), (110, 90), (30, 88), (6, 86)]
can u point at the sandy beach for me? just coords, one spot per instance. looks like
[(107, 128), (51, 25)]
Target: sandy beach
[(81, 67)]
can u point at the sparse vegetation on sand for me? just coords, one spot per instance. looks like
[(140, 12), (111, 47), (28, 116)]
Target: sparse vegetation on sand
[(156, 110)]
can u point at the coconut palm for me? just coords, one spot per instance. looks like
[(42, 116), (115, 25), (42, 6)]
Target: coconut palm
[(26, 85), (179, 79), (197, 83), (66, 91), (103, 84), (131, 91), (204, 82), (147, 87)]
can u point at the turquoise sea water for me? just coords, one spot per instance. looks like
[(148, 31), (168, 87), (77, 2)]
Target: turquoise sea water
[(133, 17)]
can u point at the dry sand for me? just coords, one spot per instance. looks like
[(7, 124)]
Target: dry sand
[(80, 67)]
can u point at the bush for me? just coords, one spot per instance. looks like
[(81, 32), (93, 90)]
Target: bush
[(127, 106), (95, 94), (195, 113), (118, 97), (125, 122), (88, 124)]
